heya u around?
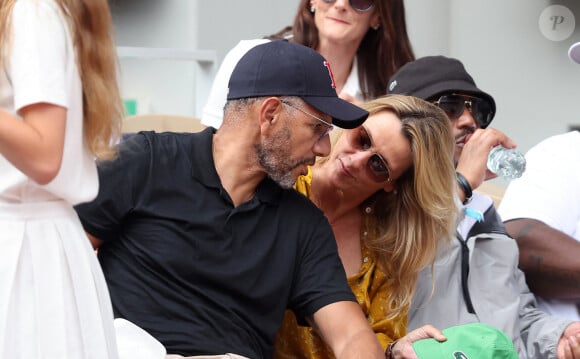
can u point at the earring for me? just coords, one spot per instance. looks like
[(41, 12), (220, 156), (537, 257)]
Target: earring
[(376, 27), (312, 9)]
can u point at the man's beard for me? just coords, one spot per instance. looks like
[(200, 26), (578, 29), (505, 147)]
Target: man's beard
[(274, 156)]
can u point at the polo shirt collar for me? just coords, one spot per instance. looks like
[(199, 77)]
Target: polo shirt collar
[(203, 168)]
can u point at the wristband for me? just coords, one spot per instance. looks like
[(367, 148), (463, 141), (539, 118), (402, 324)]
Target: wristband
[(465, 187), (389, 351)]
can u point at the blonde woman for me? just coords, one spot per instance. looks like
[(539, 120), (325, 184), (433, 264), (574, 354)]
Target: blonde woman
[(388, 191), (59, 110)]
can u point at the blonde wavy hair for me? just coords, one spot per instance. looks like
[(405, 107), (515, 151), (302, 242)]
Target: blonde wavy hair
[(412, 221), (91, 27)]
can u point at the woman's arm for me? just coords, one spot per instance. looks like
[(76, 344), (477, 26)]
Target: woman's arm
[(35, 145)]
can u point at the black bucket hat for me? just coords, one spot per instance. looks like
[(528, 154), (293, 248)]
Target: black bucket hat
[(432, 76)]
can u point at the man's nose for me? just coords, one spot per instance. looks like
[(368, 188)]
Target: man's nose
[(466, 119), (322, 146)]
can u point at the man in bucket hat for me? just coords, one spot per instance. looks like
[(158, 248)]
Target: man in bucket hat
[(445, 82), (203, 242), (477, 278)]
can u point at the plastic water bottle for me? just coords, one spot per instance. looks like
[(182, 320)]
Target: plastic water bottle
[(507, 163)]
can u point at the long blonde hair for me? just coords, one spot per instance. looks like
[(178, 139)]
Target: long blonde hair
[(409, 223), (91, 27)]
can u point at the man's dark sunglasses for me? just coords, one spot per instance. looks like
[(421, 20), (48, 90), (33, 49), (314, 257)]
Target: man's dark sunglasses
[(455, 104), (358, 5)]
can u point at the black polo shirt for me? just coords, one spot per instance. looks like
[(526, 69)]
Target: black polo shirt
[(200, 275)]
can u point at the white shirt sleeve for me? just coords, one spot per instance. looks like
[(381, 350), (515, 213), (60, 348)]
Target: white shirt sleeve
[(38, 54), (213, 112)]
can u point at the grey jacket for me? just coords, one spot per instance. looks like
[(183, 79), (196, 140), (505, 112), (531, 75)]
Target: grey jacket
[(495, 290)]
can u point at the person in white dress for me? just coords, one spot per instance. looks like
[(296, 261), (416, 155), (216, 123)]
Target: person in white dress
[(60, 110)]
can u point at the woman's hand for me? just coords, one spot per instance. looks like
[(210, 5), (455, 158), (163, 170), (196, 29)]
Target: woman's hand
[(569, 343), (403, 349)]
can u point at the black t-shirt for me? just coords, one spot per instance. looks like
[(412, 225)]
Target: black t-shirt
[(200, 275)]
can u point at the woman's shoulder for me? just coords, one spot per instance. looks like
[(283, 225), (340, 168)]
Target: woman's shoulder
[(42, 14), (46, 5)]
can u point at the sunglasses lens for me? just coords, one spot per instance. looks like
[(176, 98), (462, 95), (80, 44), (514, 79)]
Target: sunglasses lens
[(378, 167), (361, 5), (452, 105), (482, 112)]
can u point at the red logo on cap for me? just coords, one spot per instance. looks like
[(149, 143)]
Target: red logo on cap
[(327, 64)]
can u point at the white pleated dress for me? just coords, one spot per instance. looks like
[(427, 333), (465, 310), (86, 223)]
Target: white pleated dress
[(54, 301)]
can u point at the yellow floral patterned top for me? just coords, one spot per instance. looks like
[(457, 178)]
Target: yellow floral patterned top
[(370, 288)]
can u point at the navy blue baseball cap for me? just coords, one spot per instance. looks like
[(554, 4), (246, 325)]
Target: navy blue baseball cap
[(282, 68)]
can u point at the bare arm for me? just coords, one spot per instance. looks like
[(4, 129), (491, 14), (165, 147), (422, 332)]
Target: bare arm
[(548, 257), (345, 329), (94, 240), (35, 145)]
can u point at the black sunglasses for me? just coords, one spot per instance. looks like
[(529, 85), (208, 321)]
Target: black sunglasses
[(376, 163), (455, 104), (358, 5)]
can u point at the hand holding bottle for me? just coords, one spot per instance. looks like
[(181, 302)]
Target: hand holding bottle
[(507, 163)]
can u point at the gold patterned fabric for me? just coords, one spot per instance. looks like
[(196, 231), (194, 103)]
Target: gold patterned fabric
[(370, 287)]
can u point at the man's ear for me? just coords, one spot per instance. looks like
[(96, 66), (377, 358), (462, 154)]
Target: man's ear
[(269, 113)]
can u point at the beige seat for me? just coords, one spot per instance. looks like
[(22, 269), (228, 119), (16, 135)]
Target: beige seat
[(493, 190), (161, 123)]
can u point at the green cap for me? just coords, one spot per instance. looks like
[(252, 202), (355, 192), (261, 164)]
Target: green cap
[(468, 341)]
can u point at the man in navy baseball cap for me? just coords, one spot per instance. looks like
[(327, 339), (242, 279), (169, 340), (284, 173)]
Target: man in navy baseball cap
[(282, 68), (203, 241)]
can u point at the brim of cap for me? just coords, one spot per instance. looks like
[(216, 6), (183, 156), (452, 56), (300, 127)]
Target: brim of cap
[(432, 91), (344, 114)]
